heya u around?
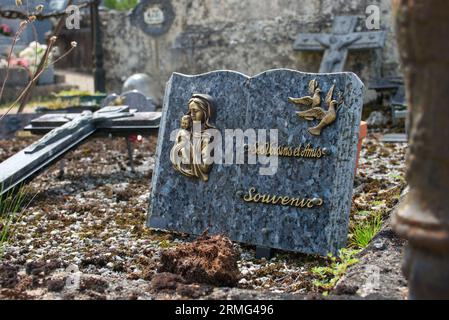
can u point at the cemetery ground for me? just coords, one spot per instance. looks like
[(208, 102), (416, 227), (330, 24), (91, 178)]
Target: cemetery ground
[(93, 219)]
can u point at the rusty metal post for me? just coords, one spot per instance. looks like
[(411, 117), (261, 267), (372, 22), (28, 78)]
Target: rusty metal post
[(423, 218)]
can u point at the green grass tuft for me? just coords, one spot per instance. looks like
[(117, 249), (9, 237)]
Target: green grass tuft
[(11, 210), (364, 231)]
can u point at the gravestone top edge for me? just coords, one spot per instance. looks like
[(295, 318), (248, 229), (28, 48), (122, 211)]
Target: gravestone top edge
[(307, 74)]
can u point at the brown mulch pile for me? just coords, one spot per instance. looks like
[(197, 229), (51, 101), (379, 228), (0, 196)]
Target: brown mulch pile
[(210, 260)]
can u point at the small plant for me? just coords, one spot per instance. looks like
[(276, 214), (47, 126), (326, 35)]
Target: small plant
[(364, 213), (328, 276), (166, 244), (363, 232), (60, 103), (378, 203), (11, 210), (397, 177), (72, 93)]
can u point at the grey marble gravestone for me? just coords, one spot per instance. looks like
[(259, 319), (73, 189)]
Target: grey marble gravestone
[(190, 205)]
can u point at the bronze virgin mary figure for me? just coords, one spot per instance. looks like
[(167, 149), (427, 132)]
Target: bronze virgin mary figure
[(190, 155)]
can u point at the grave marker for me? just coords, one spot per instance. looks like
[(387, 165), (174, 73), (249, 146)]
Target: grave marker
[(154, 17), (298, 201)]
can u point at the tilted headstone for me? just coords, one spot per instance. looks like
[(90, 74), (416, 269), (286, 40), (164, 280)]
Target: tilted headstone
[(298, 201), (337, 44)]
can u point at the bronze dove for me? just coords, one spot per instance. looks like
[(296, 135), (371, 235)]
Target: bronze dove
[(313, 100), (326, 117)]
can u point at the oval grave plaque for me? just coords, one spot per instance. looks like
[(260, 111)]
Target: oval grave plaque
[(154, 17)]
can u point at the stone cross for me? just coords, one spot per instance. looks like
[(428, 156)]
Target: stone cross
[(290, 190), (67, 132), (337, 44)]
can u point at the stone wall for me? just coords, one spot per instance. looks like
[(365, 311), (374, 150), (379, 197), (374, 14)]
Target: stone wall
[(248, 36)]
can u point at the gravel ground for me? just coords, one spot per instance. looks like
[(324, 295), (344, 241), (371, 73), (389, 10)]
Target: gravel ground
[(84, 236)]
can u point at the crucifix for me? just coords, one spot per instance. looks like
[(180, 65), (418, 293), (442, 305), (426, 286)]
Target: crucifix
[(65, 132), (337, 43)]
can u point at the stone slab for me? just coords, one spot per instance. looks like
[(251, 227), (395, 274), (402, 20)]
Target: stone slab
[(191, 205)]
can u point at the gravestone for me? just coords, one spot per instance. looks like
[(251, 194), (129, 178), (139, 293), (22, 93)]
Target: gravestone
[(337, 44), (154, 17), (398, 104), (142, 83), (299, 200)]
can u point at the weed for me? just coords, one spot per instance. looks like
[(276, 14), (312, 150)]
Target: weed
[(363, 232), (166, 244), (11, 210), (397, 177), (329, 275)]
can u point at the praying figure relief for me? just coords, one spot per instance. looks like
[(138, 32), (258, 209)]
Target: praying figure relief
[(190, 154)]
